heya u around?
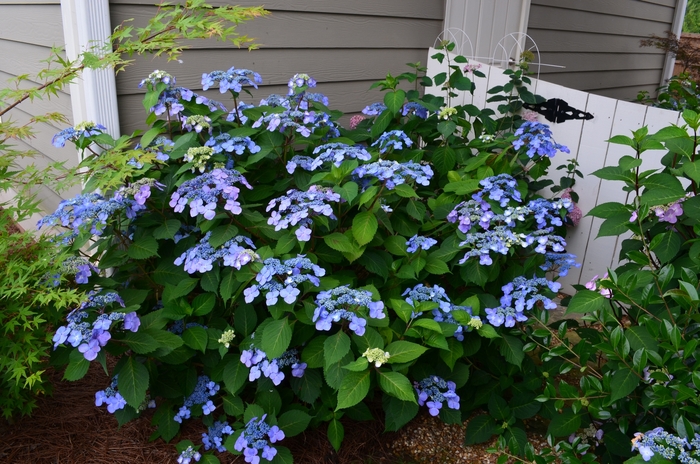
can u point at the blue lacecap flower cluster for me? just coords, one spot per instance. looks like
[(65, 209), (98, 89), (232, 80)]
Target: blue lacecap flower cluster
[(374, 109), (419, 242), (395, 173), (259, 364), (537, 137), (394, 139), (257, 437), (519, 295), (443, 313), (204, 390), (204, 191), (229, 144), (214, 438), (658, 442), (345, 303), (233, 79), (334, 152), (73, 134), (298, 207), (188, 455), (433, 391), (281, 279), (303, 122), (201, 257)]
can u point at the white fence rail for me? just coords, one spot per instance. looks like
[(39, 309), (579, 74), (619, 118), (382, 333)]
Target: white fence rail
[(587, 140)]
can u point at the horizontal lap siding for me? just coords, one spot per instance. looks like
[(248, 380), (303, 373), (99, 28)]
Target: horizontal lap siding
[(28, 31), (598, 43), (345, 46)]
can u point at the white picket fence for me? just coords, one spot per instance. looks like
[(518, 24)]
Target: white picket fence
[(587, 140)]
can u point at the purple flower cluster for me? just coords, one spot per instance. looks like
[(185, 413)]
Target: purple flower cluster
[(538, 139), (519, 295), (255, 438), (671, 212), (233, 79), (333, 152), (214, 438), (155, 78), (560, 262), (433, 391), (188, 455), (418, 241), (414, 108), (229, 144), (300, 83), (280, 280), (345, 303), (374, 109), (666, 446), (395, 173), (86, 129), (501, 188), (549, 213), (303, 122), (259, 364), (80, 267), (204, 389), (394, 139), (443, 313), (500, 239), (297, 207), (170, 100), (111, 397), (201, 257), (202, 193)]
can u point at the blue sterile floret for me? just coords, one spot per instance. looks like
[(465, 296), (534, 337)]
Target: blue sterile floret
[(346, 303), (204, 191), (500, 239), (374, 109), (298, 207), (86, 129), (260, 364), (257, 438), (419, 242), (299, 83), (537, 137), (203, 391), (303, 122), (519, 295), (394, 139), (330, 152), (281, 279), (115, 401), (433, 391), (201, 257), (214, 438), (395, 173), (226, 143), (233, 79)]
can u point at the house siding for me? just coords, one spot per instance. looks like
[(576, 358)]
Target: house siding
[(598, 42), (345, 46), (28, 30)]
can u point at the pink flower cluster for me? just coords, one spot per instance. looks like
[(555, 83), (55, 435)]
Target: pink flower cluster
[(593, 284)]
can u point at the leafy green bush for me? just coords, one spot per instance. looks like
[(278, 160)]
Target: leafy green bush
[(381, 253)]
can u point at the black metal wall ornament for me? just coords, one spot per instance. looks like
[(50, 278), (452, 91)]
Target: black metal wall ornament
[(557, 110)]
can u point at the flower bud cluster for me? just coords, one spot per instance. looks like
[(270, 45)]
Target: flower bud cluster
[(519, 295), (395, 173), (537, 137), (202, 193), (196, 123), (259, 364), (254, 439), (214, 438), (297, 207), (204, 390), (201, 257), (345, 303), (433, 391), (377, 356), (233, 79), (226, 338), (279, 279), (394, 139)]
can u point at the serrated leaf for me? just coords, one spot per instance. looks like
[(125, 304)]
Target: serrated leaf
[(585, 301), (348, 191), (210, 280), (480, 429), (436, 266), (452, 355), (143, 248), (196, 338), (429, 324), (133, 382), (665, 246), (564, 423), (444, 158), (235, 375), (606, 210), (293, 422), (229, 283), (398, 413), (498, 408), (353, 389), (357, 365), (276, 338), (336, 347), (285, 243), (167, 230), (639, 337), (364, 227), (381, 123), (183, 288), (140, 342), (394, 100), (77, 366), (222, 234), (463, 187), (396, 385), (335, 433), (339, 242), (402, 351), (623, 382), (512, 349)]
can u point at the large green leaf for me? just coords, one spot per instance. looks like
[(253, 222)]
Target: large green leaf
[(564, 423), (313, 352), (606, 210), (623, 382), (512, 349), (665, 246), (167, 230), (639, 337), (353, 389), (348, 191), (398, 413), (133, 382), (77, 366), (293, 422), (339, 242), (196, 338), (364, 227), (396, 385), (394, 100), (480, 429), (141, 342), (143, 248), (336, 433), (222, 234), (585, 301), (444, 158), (235, 375), (403, 351), (172, 292), (614, 225), (661, 189), (276, 337), (336, 347), (436, 266), (381, 123)]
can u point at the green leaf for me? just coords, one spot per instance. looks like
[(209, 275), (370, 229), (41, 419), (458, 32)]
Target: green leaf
[(405, 191), (565, 423), (235, 375), (229, 283), (396, 385), (487, 331), (133, 382), (308, 387), (381, 123), (444, 158), (209, 459), (293, 422), (364, 227), (639, 337), (245, 319), (429, 324), (336, 347), (141, 342), (360, 364), (585, 301), (416, 210), (203, 304), (614, 225), (183, 288), (196, 338), (623, 382), (394, 100), (452, 355), (396, 245), (606, 210), (463, 187), (285, 243), (665, 246), (403, 351), (436, 266), (348, 191), (376, 262), (210, 280), (512, 349), (167, 230), (339, 242), (143, 248), (692, 170), (480, 429), (398, 413), (446, 128), (336, 433), (313, 352), (283, 456), (276, 337), (77, 366), (661, 189), (498, 408), (353, 389), (168, 273)]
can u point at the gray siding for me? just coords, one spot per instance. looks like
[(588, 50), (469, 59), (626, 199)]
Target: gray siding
[(28, 30), (598, 42), (344, 45)]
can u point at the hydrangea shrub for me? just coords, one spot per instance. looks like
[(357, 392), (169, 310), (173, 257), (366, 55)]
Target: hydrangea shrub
[(275, 271)]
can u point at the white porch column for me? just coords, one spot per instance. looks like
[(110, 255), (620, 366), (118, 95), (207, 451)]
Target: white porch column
[(677, 29)]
